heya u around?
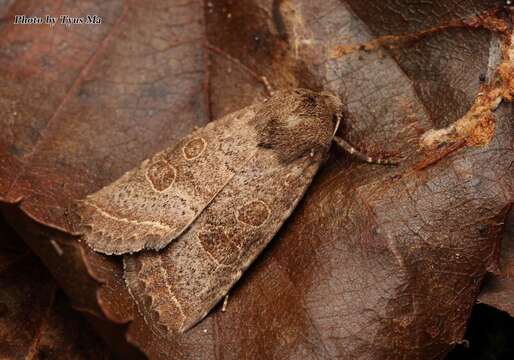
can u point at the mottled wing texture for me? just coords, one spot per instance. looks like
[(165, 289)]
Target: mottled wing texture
[(176, 288), (154, 203)]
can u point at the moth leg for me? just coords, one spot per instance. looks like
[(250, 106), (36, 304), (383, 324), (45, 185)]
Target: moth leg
[(268, 86), (361, 156), (225, 303)]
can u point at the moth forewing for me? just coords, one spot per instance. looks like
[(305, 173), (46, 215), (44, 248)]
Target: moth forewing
[(177, 287), (154, 203)]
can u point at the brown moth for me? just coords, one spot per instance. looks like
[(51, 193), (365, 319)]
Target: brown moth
[(211, 203)]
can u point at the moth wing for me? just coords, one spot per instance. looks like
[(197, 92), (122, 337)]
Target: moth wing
[(154, 203), (176, 288)]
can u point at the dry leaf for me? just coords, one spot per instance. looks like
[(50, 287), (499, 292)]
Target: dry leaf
[(36, 321), (375, 263), (498, 290)]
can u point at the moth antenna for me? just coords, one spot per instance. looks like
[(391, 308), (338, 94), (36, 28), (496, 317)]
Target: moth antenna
[(361, 156)]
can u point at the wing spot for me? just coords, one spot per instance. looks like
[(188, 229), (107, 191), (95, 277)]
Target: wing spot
[(218, 245), (254, 213), (161, 175), (194, 148)]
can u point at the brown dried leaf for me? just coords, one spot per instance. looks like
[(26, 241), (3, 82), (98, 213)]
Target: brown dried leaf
[(376, 263), (84, 104), (498, 290), (36, 320)]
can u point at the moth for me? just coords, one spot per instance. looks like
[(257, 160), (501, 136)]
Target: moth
[(192, 218)]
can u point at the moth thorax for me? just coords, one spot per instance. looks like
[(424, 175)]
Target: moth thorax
[(298, 122), (295, 135)]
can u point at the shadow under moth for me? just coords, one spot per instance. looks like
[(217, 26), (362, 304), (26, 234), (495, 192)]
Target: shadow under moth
[(210, 204)]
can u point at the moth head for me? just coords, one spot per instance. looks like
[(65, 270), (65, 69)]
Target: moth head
[(298, 123)]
